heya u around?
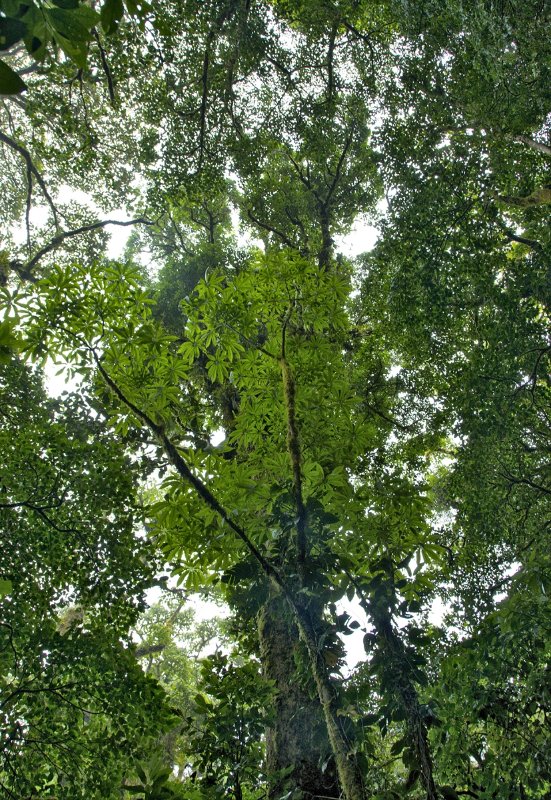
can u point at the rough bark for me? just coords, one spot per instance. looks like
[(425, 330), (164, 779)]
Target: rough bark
[(297, 740), (417, 729)]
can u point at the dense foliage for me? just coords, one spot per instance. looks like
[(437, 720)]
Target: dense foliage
[(292, 430)]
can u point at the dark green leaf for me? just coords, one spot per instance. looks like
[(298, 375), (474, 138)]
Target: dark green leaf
[(111, 13), (11, 31), (10, 82)]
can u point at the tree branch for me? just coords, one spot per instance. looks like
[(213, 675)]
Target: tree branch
[(539, 146), (106, 68), (340, 163), (177, 461), (347, 768), (285, 239), (142, 652), (25, 271), (293, 444), (31, 171)]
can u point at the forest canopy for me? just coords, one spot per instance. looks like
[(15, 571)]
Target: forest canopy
[(329, 445)]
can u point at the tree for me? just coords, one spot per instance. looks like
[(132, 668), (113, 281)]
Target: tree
[(385, 422), (76, 709)]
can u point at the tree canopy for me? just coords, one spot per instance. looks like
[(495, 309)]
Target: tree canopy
[(329, 444)]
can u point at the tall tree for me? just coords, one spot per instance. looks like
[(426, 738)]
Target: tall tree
[(385, 423)]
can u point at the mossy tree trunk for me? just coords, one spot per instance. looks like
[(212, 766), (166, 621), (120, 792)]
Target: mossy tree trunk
[(298, 752)]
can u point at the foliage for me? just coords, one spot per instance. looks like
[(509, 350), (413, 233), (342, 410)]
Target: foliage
[(76, 708), (320, 428)]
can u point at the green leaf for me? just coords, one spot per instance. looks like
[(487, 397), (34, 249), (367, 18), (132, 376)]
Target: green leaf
[(9, 343), (77, 52), (138, 8), (73, 24), (66, 3), (6, 587), (10, 82), (111, 13), (399, 745), (11, 31)]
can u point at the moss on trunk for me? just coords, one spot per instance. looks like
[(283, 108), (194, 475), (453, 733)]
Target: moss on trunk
[(298, 753)]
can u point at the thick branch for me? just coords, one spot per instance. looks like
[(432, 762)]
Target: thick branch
[(26, 271), (142, 652), (348, 770), (539, 146), (539, 197), (514, 237), (31, 171), (177, 461)]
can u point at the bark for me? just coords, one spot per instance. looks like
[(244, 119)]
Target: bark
[(417, 729), (350, 776), (539, 197), (324, 255), (297, 738), (348, 770)]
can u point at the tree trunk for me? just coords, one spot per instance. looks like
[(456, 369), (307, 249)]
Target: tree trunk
[(298, 752)]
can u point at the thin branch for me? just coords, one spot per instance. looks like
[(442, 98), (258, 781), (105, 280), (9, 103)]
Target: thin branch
[(204, 98), (340, 163), (305, 179), (179, 236), (330, 70), (285, 239), (250, 341), (390, 420), (10, 639), (29, 175), (524, 482), (106, 68)]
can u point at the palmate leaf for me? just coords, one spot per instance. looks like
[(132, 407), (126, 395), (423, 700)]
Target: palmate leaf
[(443, 338), (9, 341)]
